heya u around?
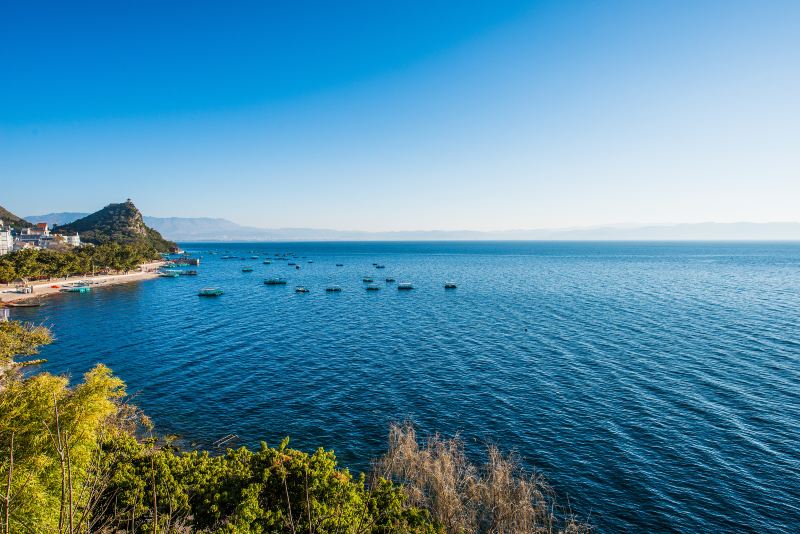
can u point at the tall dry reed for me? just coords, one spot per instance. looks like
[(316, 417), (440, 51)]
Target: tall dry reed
[(497, 497)]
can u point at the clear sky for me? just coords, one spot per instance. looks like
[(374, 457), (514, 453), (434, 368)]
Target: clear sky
[(404, 115)]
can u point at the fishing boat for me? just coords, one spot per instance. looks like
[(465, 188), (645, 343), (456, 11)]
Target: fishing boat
[(380, 266), (340, 264), (405, 285), (209, 292), (389, 280), (450, 285), (187, 273), (373, 287), (275, 281), (301, 289), (333, 289), (247, 269), (267, 262), (367, 279), (253, 257), (76, 289), (169, 274), (291, 263)]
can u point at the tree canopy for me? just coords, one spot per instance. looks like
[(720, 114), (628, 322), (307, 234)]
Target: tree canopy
[(35, 264)]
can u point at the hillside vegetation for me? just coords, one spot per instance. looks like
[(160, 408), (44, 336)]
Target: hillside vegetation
[(12, 220), (117, 223)]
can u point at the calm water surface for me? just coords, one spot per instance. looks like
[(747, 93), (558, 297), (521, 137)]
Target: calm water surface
[(656, 385)]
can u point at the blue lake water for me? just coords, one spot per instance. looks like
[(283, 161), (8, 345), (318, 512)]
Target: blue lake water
[(657, 385)]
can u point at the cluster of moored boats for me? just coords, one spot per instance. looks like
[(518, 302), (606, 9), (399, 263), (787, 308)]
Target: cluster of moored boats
[(370, 285), (292, 260)]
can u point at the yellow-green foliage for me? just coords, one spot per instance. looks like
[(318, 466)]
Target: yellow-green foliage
[(17, 339), (28, 411)]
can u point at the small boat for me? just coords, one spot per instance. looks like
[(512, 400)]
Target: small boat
[(267, 262), (77, 289), (275, 281), (297, 267), (380, 266), (373, 287), (367, 279), (340, 264), (169, 274), (450, 285), (301, 289), (22, 304), (333, 289), (291, 263), (209, 292), (253, 257), (389, 280), (188, 273), (405, 285), (247, 269), (310, 261), (374, 264)]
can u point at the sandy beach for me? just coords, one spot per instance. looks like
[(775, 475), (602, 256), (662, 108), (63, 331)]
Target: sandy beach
[(44, 288)]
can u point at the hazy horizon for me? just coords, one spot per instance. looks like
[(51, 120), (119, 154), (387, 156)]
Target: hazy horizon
[(211, 229), (477, 116)]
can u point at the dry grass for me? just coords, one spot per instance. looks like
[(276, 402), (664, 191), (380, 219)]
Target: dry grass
[(498, 497)]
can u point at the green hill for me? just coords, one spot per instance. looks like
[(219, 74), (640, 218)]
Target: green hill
[(117, 223), (12, 220)]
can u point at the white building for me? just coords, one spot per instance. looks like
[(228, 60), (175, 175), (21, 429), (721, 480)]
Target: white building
[(6, 240), (72, 240)]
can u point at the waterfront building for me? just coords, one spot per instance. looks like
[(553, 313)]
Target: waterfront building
[(6, 240)]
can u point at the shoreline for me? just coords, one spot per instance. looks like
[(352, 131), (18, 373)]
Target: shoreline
[(147, 271)]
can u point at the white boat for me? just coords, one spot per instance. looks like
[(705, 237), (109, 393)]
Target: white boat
[(405, 285)]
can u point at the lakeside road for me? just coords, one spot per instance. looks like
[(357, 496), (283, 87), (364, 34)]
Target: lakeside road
[(44, 288)]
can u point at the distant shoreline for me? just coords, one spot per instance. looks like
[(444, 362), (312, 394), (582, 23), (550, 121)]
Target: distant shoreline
[(41, 289)]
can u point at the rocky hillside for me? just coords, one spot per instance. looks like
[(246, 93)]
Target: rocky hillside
[(12, 220), (117, 223)]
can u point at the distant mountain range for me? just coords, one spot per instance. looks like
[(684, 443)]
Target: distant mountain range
[(188, 229)]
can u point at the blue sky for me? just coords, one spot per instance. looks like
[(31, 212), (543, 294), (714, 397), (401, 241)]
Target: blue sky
[(386, 116)]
